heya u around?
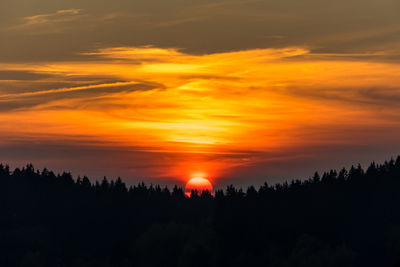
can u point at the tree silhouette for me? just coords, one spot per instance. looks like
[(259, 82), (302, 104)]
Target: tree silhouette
[(338, 218)]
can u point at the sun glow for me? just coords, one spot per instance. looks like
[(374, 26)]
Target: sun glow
[(212, 112)]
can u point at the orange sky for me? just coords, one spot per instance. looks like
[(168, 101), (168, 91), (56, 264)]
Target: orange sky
[(211, 113)]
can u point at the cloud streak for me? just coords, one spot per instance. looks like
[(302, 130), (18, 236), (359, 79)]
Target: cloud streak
[(58, 16), (64, 90), (49, 23)]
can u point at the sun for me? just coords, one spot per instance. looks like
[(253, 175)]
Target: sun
[(199, 184)]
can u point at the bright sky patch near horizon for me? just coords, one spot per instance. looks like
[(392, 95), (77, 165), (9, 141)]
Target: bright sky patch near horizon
[(236, 90)]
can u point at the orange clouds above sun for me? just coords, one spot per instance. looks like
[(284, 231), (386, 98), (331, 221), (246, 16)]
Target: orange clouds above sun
[(213, 112)]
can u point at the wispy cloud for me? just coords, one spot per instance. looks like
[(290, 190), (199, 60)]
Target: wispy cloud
[(47, 23), (63, 90), (58, 16), (60, 21)]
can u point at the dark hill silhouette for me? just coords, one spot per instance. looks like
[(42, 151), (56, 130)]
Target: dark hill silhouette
[(345, 218)]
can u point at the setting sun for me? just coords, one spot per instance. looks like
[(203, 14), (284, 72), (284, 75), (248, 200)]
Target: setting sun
[(199, 184)]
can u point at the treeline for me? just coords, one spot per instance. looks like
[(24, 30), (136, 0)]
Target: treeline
[(340, 218)]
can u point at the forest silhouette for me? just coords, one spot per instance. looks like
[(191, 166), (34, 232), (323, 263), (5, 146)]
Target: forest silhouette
[(340, 218)]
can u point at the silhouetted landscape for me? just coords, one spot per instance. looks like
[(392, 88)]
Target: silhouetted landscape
[(340, 218)]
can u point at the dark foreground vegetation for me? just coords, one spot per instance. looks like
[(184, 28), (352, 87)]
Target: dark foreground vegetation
[(345, 218)]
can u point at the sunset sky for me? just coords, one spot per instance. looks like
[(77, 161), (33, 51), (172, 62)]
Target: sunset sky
[(163, 91)]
